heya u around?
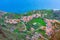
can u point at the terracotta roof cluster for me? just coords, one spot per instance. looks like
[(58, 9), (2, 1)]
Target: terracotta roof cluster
[(28, 18), (12, 21)]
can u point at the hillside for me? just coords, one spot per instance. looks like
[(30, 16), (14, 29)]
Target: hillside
[(29, 26)]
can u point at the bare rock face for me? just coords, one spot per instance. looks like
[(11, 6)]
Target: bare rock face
[(56, 36), (56, 33)]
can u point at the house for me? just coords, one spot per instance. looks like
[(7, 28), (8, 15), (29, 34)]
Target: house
[(12, 21), (27, 18), (24, 18), (36, 15)]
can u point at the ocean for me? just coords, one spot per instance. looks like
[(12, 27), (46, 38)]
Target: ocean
[(18, 6)]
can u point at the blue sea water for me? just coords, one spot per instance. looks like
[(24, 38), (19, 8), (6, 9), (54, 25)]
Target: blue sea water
[(28, 5)]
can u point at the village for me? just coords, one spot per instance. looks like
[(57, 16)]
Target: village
[(32, 27), (24, 18)]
